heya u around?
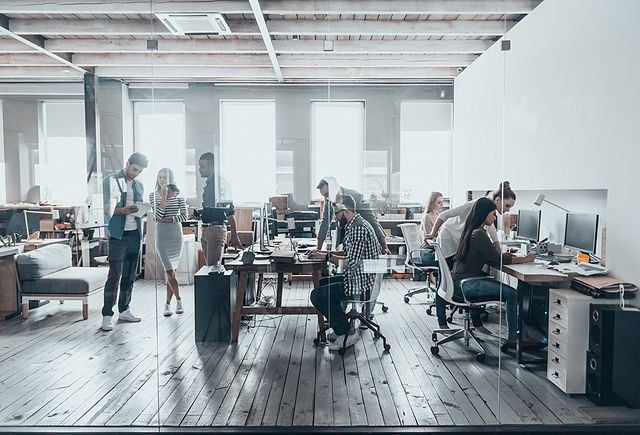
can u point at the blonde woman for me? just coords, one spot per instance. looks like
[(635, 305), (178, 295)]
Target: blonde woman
[(430, 216), (170, 210)]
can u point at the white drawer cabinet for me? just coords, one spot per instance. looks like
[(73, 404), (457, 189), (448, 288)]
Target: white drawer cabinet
[(568, 339)]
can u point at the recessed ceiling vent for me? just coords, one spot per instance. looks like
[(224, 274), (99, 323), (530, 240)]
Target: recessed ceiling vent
[(195, 24)]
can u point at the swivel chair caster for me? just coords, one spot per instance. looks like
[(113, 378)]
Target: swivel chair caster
[(430, 311), (406, 299), (387, 347), (480, 357), (435, 350), (384, 308)]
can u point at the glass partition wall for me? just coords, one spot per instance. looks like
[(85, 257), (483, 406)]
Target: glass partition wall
[(421, 116)]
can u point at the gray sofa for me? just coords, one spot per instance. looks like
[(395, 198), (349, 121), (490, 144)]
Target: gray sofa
[(47, 274)]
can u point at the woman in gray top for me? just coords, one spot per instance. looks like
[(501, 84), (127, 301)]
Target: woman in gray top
[(170, 210)]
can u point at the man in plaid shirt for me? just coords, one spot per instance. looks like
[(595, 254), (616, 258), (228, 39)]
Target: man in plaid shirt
[(360, 244)]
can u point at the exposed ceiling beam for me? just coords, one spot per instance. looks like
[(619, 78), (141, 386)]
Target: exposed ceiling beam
[(282, 7), (111, 27), (164, 46), (248, 46), (37, 44), (266, 38), (260, 60), (386, 47), (214, 73), (121, 7), (115, 27), (174, 59), (180, 72), (31, 59), (444, 7), (22, 72), (388, 27)]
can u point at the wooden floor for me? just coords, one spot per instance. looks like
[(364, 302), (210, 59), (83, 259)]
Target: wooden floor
[(56, 369)]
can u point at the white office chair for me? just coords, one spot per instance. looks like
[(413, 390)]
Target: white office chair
[(411, 235), (446, 292)]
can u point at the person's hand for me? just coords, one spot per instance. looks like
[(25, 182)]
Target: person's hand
[(130, 209), (386, 251), (167, 220), (316, 254), (164, 190), (430, 236), (235, 242)]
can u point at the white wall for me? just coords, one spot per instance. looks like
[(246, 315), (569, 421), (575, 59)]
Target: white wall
[(568, 96)]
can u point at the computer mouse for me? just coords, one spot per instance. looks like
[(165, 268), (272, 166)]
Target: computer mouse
[(553, 263)]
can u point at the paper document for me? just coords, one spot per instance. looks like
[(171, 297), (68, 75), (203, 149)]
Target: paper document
[(143, 208)]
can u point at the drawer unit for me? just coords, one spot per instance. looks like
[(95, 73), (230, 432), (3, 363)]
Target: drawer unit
[(568, 339)]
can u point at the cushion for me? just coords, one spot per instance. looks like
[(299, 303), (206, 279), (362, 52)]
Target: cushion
[(71, 281), (35, 264)]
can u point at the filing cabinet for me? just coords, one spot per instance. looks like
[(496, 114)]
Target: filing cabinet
[(568, 339)]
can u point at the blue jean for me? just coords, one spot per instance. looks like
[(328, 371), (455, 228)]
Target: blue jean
[(330, 299), (123, 263), (427, 258), (484, 290)]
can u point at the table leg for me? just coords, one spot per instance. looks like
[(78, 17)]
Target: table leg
[(322, 328), (279, 289), (237, 312)]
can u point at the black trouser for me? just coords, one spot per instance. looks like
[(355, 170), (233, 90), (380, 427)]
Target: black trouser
[(123, 263), (329, 300)]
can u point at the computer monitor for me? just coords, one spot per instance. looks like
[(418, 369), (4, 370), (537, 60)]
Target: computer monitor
[(581, 232), (528, 225)]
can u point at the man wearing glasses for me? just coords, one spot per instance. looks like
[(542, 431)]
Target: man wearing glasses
[(360, 244)]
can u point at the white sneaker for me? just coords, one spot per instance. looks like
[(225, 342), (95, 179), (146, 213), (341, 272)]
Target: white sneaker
[(128, 316), (331, 334), (179, 308), (351, 340), (107, 324), (167, 310)]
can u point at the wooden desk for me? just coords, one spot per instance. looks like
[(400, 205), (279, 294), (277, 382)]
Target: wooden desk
[(527, 275), (313, 268), (9, 306)]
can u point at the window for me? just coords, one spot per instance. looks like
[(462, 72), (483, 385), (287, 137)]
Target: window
[(160, 135), (248, 150), (337, 141), (375, 174), (425, 145), (3, 187), (284, 171), (62, 144)]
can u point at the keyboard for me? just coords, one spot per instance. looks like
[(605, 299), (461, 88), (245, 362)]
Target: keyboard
[(545, 257)]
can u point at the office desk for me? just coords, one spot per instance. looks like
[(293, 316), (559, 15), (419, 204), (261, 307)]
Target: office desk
[(528, 274), (313, 268)]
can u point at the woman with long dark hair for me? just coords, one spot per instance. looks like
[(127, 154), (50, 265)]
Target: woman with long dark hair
[(474, 251), (449, 238)]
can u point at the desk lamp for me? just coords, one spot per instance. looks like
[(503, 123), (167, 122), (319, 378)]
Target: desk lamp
[(541, 198), (55, 215)]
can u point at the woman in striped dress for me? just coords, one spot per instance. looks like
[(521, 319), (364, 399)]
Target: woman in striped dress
[(170, 210)]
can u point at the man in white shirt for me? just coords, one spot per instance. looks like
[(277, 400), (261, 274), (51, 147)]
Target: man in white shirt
[(121, 192)]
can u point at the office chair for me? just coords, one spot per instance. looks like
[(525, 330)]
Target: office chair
[(356, 311), (446, 291), (411, 235)]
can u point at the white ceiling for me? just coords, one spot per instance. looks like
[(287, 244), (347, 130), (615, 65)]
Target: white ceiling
[(373, 41)]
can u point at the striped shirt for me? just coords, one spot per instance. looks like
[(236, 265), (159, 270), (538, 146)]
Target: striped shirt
[(175, 208), (360, 244)]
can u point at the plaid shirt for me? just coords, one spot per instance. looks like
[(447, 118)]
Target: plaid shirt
[(360, 244)]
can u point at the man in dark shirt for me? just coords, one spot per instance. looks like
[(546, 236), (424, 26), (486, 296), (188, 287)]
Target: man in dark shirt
[(214, 235)]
